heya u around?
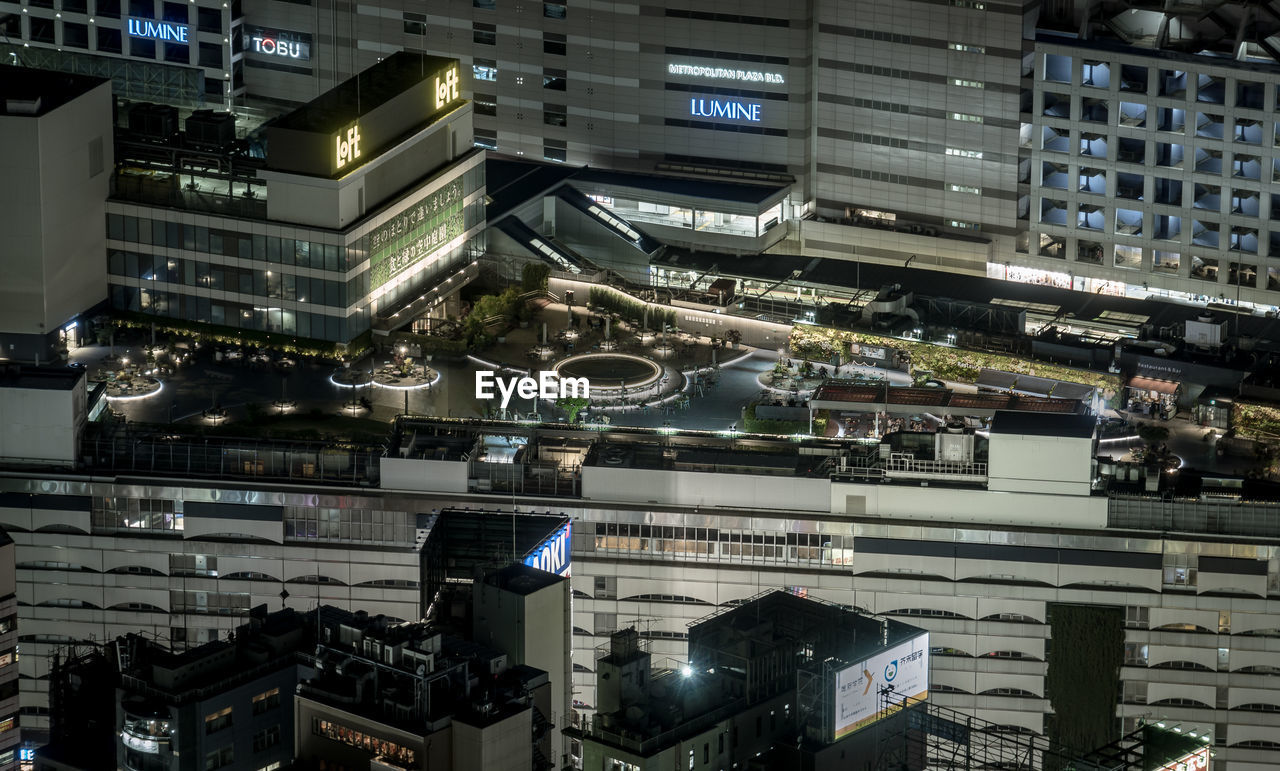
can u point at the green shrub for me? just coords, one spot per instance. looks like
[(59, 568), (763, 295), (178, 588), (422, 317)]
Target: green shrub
[(534, 277)]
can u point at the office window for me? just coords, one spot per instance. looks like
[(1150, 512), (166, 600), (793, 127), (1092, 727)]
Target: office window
[(75, 6), (484, 34), (209, 20), (486, 138), (555, 115), (109, 40), (219, 758), (968, 83), (976, 5), (75, 35), (266, 738), (176, 13), (555, 10), (958, 153), (554, 44), (965, 189), (964, 116), (966, 48), (175, 52), (550, 153), (485, 5), (41, 29), (211, 55), (217, 721), (142, 9), (11, 25), (107, 8), (142, 49), (554, 79), (415, 23), (484, 69), (486, 104), (266, 701)]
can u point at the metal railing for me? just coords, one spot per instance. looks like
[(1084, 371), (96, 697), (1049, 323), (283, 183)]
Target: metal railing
[(645, 745)]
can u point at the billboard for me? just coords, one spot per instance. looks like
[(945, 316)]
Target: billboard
[(416, 233), (905, 667), (1197, 760), (552, 555)]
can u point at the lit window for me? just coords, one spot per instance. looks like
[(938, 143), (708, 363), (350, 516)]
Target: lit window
[(976, 5), (968, 83), (964, 116), (969, 49), (958, 153), (964, 189), (265, 701), (484, 69), (961, 224)]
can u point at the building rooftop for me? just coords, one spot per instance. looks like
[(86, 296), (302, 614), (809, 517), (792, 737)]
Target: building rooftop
[(39, 378), (694, 188), (521, 579), (30, 93), (362, 94), (1034, 424)]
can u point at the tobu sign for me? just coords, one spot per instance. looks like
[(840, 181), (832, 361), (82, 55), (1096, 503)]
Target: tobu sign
[(552, 555), (278, 44), (730, 109)]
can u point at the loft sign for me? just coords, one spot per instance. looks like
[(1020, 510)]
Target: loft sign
[(348, 146), (730, 109), (446, 88), (548, 385), (158, 30)]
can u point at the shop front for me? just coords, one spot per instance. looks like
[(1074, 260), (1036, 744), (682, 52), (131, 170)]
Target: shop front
[(1152, 397)]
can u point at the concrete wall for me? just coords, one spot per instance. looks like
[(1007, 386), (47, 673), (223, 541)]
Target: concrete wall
[(42, 424), (938, 504), (445, 476), (691, 488), (52, 214), (889, 247), (1042, 464), (505, 745)]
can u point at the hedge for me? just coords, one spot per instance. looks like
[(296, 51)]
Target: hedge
[(1086, 651), (753, 425), (630, 310), (302, 346)]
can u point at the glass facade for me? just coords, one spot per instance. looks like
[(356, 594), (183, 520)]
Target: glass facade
[(324, 287)]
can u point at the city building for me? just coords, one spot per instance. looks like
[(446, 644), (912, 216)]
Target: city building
[(778, 681), (417, 695), (56, 129), (668, 528), (151, 50), (328, 685), (11, 753), (367, 196), (991, 136)]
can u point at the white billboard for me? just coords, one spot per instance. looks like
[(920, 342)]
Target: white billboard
[(905, 667)]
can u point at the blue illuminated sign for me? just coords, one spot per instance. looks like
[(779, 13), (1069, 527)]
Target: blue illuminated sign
[(26, 754), (158, 30), (730, 109), (552, 555)]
